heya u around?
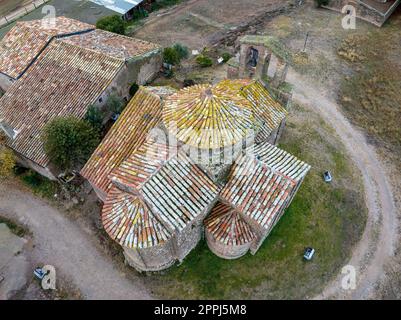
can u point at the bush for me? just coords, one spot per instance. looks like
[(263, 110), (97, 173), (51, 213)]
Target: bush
[(171, 56), (204, 61), (69, 142), (112, 23), (7, 162), (226, 56), (181, 50), (40, 185), (95, 118)]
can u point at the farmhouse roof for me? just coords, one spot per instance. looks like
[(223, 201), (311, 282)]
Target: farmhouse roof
[(26, 40), (63, 81)]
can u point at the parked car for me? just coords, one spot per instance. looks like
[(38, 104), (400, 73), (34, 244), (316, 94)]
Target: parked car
[(39, 273), (327, 176), (309, 252)]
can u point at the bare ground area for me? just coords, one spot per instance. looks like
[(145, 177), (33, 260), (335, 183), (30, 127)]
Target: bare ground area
[(197, 23), (67, 246)]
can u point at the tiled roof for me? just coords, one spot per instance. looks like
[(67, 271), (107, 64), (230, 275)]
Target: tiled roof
[(266, 108), (130, 222), (226, 226), (257, 191), (175, 189), (112, 44), (63, 81), (21, 45), (208, 117), (280, 160), (129, 132), (229, 110)]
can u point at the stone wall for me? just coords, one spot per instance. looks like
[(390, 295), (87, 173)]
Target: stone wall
[(226, 251), (151, 259)]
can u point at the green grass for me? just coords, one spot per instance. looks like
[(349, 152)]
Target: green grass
[(39, 185), (14, 227), (329, 217)]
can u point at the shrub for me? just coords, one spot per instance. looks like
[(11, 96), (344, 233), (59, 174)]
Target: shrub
[(7, 162), (133, 89), (94, 117), (69, 142), (226, 56), (171, 56), (115, 104), (112, 23), (181, 50), (204, 61)]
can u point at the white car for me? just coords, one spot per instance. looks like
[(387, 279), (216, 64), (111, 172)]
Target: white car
[(309, 252), (327, 176)]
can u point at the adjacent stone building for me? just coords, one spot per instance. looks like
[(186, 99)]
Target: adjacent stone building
[(266, 59), (59, 69)]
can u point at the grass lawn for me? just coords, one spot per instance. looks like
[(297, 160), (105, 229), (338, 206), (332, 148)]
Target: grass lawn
[(329, 217)]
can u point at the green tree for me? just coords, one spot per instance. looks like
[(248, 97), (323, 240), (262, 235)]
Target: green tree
[(181, 50), (69, 142), (112, 23), (204, 61), (171, 56), (94, 116)]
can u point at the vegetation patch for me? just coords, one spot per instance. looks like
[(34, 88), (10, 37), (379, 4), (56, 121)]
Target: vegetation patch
[(328, 217), (14, 227), (39, 185)]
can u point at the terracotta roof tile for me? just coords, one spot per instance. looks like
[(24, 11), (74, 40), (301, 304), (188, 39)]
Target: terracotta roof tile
[(63, 81), (279, 160), (257, 191), (128, 220), (112, 44), (21, 45), (130, 131), (208, 117), (228, 227), (174, 188)]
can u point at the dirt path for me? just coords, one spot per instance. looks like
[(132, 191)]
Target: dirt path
[(380, 236), (61, 243)]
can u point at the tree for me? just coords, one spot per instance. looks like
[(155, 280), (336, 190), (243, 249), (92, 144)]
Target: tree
[(112, 23), (94, 117), (181, 50), (7, 162), (69, 142), (171, 56), (204, 61)]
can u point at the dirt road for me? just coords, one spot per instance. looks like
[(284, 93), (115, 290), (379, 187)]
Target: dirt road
[(61, 243), (378, 241)]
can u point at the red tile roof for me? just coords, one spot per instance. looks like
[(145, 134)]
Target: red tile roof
[(128, 220), (63, 81), (22, 44), (257, 191), (130, 131), (228, 227)]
